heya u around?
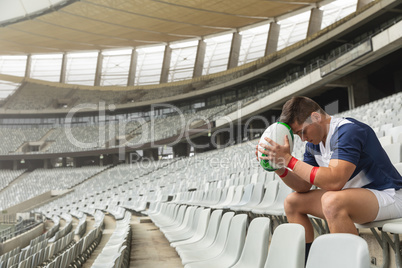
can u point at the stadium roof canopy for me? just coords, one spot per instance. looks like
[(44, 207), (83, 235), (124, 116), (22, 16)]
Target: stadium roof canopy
[(46, 26)]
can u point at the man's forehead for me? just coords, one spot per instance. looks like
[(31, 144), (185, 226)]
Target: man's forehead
[(296, 127)]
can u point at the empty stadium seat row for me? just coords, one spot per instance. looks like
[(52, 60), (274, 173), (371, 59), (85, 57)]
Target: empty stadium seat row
[(219, 240)]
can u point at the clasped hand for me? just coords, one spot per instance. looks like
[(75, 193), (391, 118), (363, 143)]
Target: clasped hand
[(274, 152)]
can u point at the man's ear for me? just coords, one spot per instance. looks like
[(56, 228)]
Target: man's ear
[(316, 117)]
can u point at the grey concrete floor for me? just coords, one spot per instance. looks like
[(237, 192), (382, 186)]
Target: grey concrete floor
[(110, 225), (150, 248)]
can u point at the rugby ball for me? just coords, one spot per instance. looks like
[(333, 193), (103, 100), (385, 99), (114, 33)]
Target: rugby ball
[(276, 132)]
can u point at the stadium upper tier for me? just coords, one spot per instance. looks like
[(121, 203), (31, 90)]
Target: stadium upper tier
[(137, 134), (37, 96), (134, 133), (41, 181)]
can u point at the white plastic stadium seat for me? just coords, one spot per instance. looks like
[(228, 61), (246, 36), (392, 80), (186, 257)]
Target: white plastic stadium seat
[(232, 198), (228, 199), (395, 132), (394, 152), (207, 239), (186, 223), (277, 208), (386, 128), (169, 216), (200, 254), (254, 178), (232, 249), (385, 140), (222, 198), (255, 199), (395, 229), (175, 217), (398, 167), (200, 225), (269, 197), (189, 231), (255, 249), (382, 240), (287, 247), (248, 191), (339, 250)]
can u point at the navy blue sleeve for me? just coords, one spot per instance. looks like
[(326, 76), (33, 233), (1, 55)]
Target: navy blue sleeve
[(309, 157), (347, 143)]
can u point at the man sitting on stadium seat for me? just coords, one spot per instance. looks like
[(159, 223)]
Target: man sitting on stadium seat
[(356, 181)]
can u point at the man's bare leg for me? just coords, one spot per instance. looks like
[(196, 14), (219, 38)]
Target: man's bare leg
[(298, 205), (341, 209), (344, 208)]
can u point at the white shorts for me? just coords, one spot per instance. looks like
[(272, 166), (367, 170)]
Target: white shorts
[(390, 204)]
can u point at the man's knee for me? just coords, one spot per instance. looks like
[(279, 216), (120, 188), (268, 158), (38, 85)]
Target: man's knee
[(292, 202), (332, 204)]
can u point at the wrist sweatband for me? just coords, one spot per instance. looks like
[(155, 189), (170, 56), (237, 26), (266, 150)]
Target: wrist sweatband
[(292, 163), (284, 173), (312, 174)]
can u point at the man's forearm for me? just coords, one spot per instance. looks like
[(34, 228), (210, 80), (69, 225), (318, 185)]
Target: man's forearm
[(293, 181)]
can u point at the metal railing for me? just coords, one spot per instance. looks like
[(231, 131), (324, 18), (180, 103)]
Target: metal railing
[(20, 227)]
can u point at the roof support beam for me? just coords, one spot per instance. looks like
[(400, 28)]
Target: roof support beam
[(351, 97), (234, 50), (314, 24), (28, 66), (98, 73), (199, 58), (63, 68), (166, 64), (133, 67), (273, 38), (362, 3)]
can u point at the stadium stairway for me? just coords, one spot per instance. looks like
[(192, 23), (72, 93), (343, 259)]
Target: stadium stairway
[(149, 247), (109, 227)]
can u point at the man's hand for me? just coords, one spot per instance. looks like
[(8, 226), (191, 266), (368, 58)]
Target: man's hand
[(276, 153), (256, 153)]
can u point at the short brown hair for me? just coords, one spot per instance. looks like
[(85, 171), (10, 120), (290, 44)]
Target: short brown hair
[(298, 109)]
